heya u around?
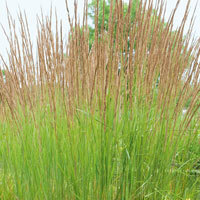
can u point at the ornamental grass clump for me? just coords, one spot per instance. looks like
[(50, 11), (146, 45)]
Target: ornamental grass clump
[(103, 122)]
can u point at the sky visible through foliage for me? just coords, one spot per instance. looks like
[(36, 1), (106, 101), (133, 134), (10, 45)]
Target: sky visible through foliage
[(33, 8)]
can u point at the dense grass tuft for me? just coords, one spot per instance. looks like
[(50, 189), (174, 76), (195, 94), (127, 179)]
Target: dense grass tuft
[(76, 126)]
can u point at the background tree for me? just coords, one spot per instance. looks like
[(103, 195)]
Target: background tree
[(106, 8)]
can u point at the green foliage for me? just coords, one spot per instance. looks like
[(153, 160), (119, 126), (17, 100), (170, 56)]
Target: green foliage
[(106, 10), (132, 158), (3, 72)]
